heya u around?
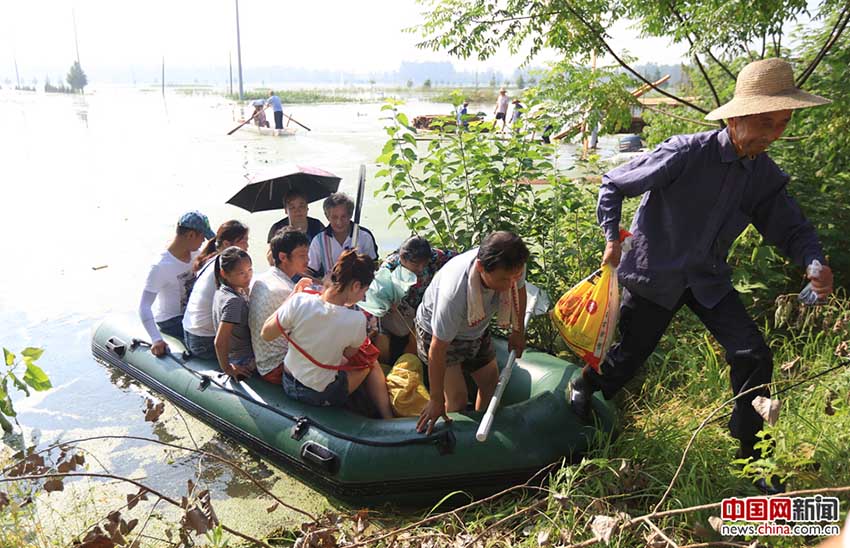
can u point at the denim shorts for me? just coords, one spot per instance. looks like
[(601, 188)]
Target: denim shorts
[(198, 346), (172, 326), (335, 394)]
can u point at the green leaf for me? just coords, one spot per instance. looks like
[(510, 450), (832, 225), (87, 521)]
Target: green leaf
[(10, 358), (7, 426), (36, 378), (32, 353), (402, 119), (6, 403), (410, 154), (18, 384)]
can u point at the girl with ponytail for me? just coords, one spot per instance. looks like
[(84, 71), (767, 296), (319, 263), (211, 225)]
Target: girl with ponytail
[(198, 328), (233, 349), (324, 363)]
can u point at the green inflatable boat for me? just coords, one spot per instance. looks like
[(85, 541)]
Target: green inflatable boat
[(368, 461)]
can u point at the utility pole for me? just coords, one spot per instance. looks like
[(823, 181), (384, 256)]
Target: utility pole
[(76, 43), (163, 75), (230, 62), (239, 54), (17, 76)]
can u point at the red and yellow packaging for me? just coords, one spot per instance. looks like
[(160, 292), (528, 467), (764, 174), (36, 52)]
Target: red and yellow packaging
[(586, 315)]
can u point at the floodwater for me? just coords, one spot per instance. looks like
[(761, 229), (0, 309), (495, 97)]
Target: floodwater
[(91, 190)]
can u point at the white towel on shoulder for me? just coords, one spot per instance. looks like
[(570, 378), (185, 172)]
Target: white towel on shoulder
[(508, 314)]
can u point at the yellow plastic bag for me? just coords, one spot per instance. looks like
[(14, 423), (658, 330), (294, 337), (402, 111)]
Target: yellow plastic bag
[(586, 315), (408, 395)]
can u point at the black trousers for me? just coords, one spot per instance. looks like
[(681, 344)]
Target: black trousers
[(278, 119), (643, 322)]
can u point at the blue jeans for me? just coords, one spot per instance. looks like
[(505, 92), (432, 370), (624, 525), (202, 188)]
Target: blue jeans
[(335, 394), (198, 346), (172, 326)]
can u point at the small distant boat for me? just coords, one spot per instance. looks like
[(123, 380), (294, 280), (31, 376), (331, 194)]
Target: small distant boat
[(272, 132)]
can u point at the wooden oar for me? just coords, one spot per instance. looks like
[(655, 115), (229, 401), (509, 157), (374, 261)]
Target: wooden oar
[(291, 119), (237, 128)]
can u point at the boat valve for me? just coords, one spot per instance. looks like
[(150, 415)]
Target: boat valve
[(205, 383), (302, 424)]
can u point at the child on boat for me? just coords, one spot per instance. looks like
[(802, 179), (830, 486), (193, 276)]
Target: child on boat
[(322, 332), (233, 272), (198, 328)]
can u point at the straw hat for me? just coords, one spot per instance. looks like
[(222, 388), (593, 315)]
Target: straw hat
[(765, 86)]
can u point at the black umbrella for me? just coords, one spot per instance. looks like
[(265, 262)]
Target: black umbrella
[(265, 189)]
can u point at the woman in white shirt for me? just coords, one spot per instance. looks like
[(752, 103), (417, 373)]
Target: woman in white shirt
[(198, 329), (322, 332)]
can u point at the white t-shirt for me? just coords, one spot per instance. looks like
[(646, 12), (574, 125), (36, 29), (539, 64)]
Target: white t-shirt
[(322, 329), (197, 319), (169, 278), (444, 311), (325, 249), (502, 104), (270, 289)]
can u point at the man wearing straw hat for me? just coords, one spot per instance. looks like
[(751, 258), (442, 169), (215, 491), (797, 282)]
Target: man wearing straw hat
[(700, 192)]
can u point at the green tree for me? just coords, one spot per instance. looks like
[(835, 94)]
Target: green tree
[(410, 83), (492, 82), (76, 77), (520, 82), (720, 39), (715, 31), (426, 84)]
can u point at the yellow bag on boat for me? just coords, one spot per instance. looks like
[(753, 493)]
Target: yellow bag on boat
[(586, 315), (408, 395)]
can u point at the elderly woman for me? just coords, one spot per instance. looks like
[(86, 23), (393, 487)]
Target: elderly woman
[(397, 333)]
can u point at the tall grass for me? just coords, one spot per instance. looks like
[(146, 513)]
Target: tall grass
[(300, 96), (684, 380)]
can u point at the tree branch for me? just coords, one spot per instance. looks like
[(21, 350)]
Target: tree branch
[(711, 506), (714, 125), (162, 496), (174, 446), (599, 37), (722, 65), (683, 21), (436, 517), (707, 79), (834, 35)]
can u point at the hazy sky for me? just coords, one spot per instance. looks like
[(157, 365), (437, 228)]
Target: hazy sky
[(346, 35)]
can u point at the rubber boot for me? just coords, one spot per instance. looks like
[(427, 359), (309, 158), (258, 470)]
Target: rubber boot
[(581, 397)]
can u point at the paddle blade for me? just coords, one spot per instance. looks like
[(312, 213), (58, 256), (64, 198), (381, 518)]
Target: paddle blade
[(537, 302)]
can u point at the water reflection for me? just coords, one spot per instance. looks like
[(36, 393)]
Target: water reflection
[(81, 107)]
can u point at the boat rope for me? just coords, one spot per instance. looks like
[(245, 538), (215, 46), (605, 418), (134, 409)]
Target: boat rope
[(444, 440)]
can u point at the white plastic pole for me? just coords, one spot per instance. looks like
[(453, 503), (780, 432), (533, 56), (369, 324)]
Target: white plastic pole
[(504, 377)]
